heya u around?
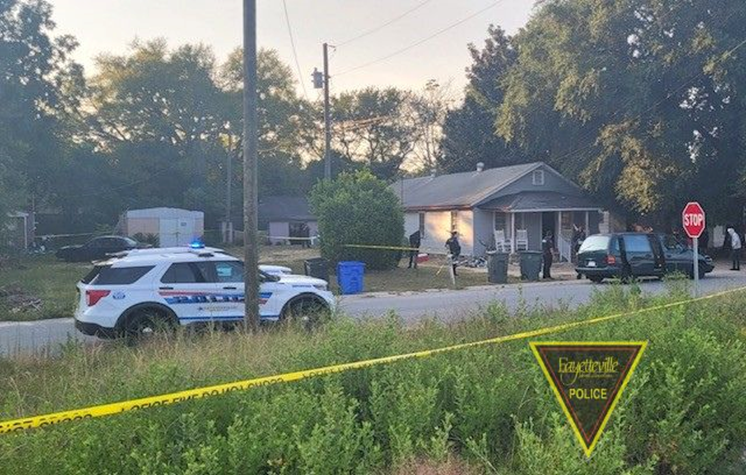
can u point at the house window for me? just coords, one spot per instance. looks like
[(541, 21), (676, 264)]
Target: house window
[(422, 226), (500, 221), (454, 221), (538, 177)]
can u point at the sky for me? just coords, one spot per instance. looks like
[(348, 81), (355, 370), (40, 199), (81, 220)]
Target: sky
[(111, 25)]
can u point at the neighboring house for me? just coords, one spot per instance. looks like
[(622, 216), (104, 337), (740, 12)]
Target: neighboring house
[(173, 226), (285, 217), (20, 230), (521, 201)]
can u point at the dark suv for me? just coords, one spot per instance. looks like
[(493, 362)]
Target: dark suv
[(626, 255), (97, 248)]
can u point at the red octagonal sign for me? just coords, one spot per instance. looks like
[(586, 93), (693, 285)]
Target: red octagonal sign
[(693, 219)]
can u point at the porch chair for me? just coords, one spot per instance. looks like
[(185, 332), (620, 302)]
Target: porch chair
[(501, 243), (521, 240)]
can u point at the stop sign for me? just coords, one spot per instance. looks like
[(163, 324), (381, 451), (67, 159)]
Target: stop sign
[(693, 219)]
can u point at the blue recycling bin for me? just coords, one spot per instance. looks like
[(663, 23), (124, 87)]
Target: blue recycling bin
[(350, 277)]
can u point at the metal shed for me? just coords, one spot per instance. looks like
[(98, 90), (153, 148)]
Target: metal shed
[(173, 226)]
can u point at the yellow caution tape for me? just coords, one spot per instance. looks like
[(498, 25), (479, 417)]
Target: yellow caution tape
[(220, 389)]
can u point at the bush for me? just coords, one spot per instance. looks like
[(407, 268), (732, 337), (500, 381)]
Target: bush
[(358, 208), (684, 411)]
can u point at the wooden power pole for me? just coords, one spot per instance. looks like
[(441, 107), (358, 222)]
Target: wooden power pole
[(250, 137), (327, 119)]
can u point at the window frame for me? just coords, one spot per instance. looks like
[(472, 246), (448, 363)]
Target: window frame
[(535, 178), (422, 220), (454, 220)]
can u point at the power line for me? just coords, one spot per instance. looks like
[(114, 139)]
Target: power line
[(295, 53), (384, 25), (424, 40)]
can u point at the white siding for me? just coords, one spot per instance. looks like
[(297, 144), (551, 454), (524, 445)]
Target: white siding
[(411, 223), (277, 231), (438, 230), (483, 229)]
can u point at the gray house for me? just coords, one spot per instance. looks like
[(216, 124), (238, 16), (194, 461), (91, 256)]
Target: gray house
[(286, 217), (508, 207)]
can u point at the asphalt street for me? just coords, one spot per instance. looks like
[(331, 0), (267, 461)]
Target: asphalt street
[(47, 335)]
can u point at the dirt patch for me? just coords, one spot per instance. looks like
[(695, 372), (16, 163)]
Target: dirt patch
[(16, 300)]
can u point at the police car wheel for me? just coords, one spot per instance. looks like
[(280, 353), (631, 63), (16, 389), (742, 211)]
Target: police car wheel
[(145, 324), (307, 311)]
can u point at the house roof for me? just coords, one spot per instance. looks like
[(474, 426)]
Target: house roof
[(540, 201), (459, 190), (285, 208)]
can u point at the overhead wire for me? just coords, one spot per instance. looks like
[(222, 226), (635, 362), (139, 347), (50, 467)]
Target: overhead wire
[(423, 40), (295, 52), (384, 25)]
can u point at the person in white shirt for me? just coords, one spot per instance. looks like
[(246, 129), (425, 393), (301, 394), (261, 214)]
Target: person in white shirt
[(735, 249)]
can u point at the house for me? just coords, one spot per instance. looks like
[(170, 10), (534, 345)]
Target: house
[(520, 202), (285, 217), (173, 226)]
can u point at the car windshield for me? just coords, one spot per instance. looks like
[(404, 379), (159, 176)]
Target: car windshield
[(595, 243), (130, 241)]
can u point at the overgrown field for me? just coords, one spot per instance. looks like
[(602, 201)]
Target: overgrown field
[(483, 410)]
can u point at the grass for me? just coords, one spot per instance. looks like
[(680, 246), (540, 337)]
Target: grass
[(484, 410), (53, 281), (41, 277)]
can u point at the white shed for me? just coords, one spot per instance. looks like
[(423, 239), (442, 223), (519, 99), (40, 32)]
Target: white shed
[(173, 226)]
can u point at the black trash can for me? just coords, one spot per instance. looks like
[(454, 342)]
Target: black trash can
[(497, 267), (530, 265), (317, 267)]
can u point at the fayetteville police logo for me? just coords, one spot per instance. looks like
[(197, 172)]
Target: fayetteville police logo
[(588, 379)]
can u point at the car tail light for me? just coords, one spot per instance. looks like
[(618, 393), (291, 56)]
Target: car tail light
[(93, 296), (611, 260)]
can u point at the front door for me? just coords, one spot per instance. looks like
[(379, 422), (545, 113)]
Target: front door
[(230, 281), (189, 289), (549, 224)]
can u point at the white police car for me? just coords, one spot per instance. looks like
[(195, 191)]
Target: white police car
[(137, 292)]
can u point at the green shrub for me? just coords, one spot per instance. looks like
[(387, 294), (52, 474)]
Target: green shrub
[(683, 412), (358, 208)]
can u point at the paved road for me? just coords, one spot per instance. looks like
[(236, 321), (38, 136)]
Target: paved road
[(46, 335)]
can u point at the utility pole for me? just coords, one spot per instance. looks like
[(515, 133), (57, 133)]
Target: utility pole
[(228, 229), (250, 137), (327, 119)]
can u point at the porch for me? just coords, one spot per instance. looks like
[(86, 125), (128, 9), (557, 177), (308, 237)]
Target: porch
[(520, 221)]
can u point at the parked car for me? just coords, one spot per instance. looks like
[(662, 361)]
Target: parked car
[(136, 294), (97, 248), (627, 255)]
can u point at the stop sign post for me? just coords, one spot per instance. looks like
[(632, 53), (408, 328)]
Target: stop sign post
[(693, 222)]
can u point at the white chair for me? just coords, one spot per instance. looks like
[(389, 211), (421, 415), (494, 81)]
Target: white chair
[(521, 240), (501, 243)]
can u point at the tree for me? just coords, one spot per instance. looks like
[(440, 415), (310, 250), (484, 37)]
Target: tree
[(358, 208), (430, 109), (375, 127), (640, 99), (35, 70), (469, 135)]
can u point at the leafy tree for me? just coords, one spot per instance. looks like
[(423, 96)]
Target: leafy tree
[(469, 131), (375, 127), (640, 99), (430, 109), (358, 208), (35, 68)]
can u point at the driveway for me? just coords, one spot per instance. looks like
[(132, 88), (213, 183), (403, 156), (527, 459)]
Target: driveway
[(46, 335)]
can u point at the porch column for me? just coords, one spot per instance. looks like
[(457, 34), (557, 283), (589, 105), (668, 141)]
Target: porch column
[(512, 233), (587, 223)]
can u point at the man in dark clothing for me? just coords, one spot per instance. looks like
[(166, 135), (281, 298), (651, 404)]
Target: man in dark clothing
[(454, 248), (704, 240), (414, 245), (547, 245)]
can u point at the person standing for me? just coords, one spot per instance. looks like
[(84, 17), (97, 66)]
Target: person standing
[(704, 240), (547, 247), (415, 240), (735, 249), (454, 249)]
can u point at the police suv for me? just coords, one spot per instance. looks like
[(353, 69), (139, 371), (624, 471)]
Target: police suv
[(138, 292)]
